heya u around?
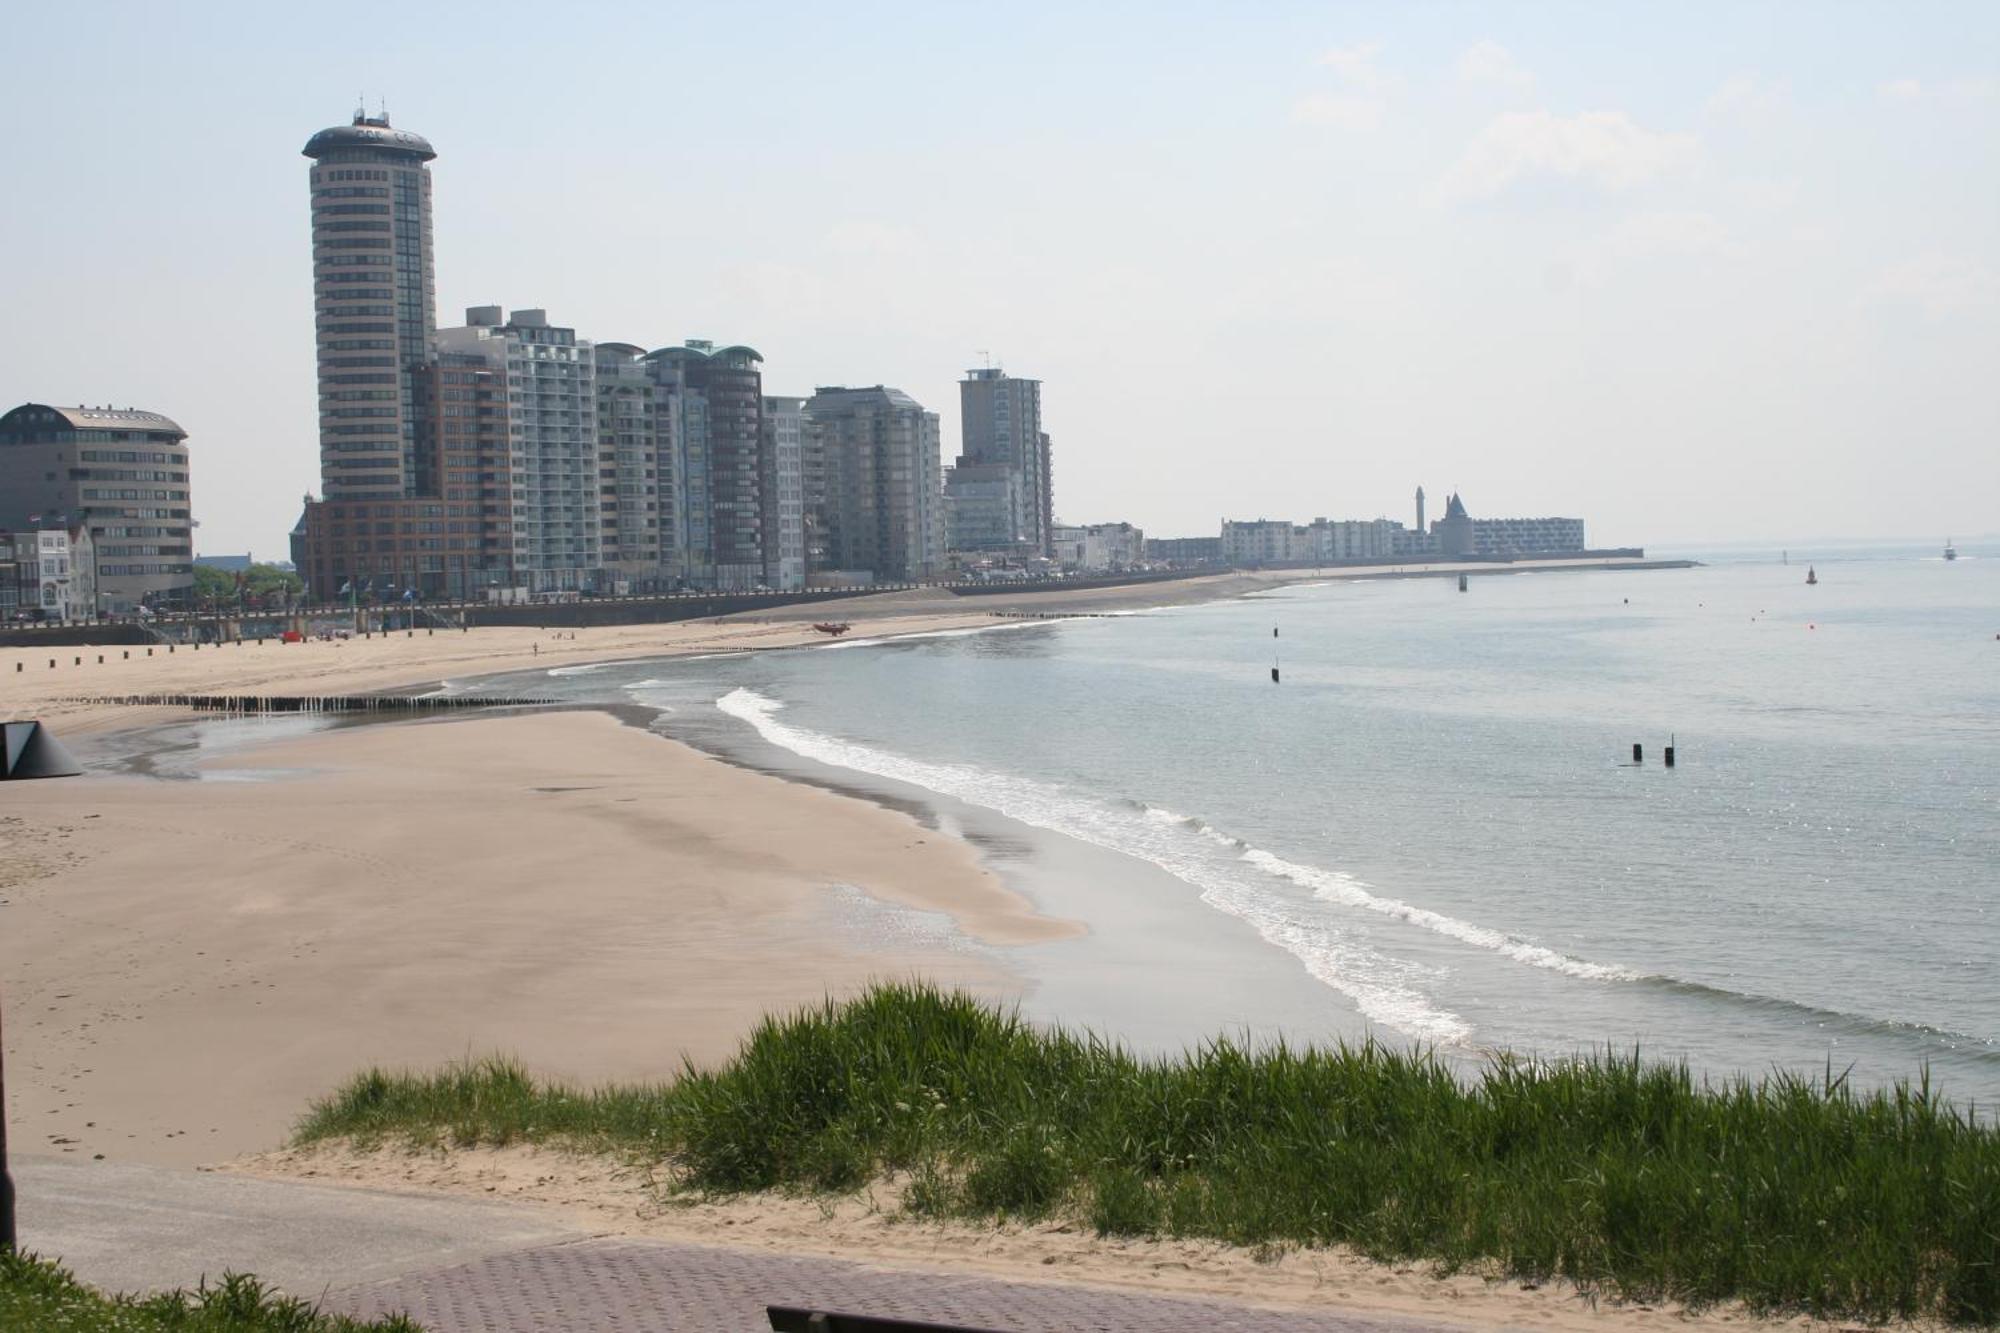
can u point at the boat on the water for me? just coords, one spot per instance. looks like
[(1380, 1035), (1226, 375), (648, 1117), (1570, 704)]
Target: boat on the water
[(1811, 576), (1950, 551)]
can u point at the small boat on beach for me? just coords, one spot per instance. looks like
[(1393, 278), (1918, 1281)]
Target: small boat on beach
[(834, 627), (1950, 551)]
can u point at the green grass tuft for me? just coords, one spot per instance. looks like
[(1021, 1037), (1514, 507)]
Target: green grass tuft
[(1789, 1194), (40, 1295)]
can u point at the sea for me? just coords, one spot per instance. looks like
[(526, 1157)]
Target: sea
[(1430, 830)]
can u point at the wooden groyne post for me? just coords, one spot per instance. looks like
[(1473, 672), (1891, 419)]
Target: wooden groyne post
[(250, 704)]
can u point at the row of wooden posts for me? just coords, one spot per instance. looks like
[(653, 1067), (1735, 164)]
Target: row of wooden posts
[(125, 654), (313, 703)]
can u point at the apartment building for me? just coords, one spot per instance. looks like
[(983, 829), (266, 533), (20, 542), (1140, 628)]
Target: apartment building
[(880, 505), (1260, 541), (374, 302), (783, 464), (1098, 547), (999, 494), (119, 473)]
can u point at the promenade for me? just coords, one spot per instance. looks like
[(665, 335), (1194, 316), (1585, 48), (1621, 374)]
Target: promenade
[(468, 1266)]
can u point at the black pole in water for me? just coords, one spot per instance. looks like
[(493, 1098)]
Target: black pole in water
[(1668, 757), (1461, 583), (1638, 753)]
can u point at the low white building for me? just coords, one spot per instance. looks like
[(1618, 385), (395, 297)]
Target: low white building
[(47, 573), (1332, 540), (1262, 541), (1527, 536), (1098, 547)]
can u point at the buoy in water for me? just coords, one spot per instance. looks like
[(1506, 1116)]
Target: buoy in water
[(1274, 675)]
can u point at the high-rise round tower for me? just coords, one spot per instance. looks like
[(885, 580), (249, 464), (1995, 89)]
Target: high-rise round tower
[(374, 302)]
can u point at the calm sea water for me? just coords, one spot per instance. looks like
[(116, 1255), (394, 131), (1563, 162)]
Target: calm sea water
[(1431, 829)]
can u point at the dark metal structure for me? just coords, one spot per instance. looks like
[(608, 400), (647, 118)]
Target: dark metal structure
[(31, 752), (799, 1319)]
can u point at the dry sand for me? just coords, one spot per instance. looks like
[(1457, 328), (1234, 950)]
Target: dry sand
[(188, 963), (605, 1196), (60, 695)]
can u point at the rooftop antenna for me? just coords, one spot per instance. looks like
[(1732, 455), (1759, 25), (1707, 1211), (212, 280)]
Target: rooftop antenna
[(384, 103), (986, 358), (361, 108)]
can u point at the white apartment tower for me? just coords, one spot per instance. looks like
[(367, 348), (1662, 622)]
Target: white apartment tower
[(782, 460), (635, 460), (374, 302), (552, 444)]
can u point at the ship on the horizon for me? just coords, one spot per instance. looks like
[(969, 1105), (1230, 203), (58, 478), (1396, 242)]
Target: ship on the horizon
[(1950, 551)]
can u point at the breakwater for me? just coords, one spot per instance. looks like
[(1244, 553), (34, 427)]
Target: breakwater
[(311, 703)]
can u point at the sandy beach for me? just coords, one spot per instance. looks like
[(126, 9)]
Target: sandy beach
[(189, 962)]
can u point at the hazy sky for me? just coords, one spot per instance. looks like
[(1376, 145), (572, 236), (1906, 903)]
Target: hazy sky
[(1692, 272)]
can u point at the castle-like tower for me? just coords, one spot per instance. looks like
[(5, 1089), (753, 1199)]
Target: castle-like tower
[(374, 302)]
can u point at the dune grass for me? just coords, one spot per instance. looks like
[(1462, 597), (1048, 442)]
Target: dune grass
[(38, 1295), (1633, 1179)]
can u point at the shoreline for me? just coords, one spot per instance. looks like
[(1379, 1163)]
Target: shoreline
[(70, 692), (171, 857), (297, 779)]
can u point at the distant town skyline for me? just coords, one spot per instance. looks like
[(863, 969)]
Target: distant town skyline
[(1704, 274)]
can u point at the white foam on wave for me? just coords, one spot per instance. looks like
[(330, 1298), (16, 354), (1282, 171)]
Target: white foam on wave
[(970, 630), (1338, 887), (585, 669), (936, 634), (1385, 990)]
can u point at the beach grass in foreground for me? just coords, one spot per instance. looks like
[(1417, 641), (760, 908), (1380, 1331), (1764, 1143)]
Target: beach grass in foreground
[(40, 1295), (1631, 1179)]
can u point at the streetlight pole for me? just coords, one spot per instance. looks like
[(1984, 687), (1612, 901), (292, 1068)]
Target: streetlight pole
[(30, 753), (7, 1240)]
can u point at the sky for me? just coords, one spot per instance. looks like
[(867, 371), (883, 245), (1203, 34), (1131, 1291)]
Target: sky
[(1692, 272)]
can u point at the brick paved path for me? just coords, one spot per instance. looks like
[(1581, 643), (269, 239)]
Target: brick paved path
[(625, 1286)]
